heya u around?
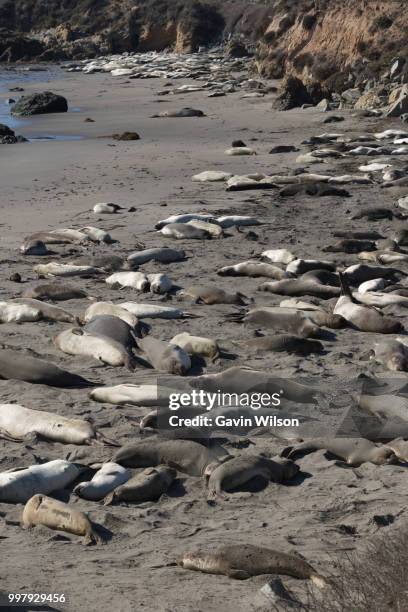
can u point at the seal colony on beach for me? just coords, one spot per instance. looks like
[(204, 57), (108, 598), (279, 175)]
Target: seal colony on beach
[(220, 258)]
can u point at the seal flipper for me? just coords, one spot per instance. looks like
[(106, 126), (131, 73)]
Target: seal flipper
[(237, 574)]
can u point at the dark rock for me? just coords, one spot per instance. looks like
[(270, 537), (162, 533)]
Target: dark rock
[(126, 136), (333, 119), (238, 143), (15, 278), (15, 47), (283, 149), (236, 48), (294, 93), (40, 103), (7, 136)]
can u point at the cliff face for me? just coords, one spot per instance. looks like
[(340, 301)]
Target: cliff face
[(324, 40)]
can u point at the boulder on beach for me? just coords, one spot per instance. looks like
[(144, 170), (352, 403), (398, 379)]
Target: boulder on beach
[(126, 136), (7, 136), (39, 104), (294, 93)]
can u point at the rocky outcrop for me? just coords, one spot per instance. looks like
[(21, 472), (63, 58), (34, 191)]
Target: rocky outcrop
[(40, 104), (8, 136)]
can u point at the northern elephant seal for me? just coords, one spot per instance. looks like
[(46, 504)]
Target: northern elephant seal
[(184, 231), (116, 329), (237, 471), (19, 485), (133, 280), (196, 345), (155, 311), (18, 313), (134, 395), (110, 476), (184, 112), (76, 341), (241, 561), (184, 455), (98, 309), (299, 287), (284, 343), (239, 379), (17, 422), (392, 354), (55, 268), (254, 269), (159, 283), (149, 485), (43, 510), (48, 311), (14, 365), (280, 319), (107, 208), (211, 295), (165, 357), (34, 247), (363, 318), (55, 293), (184, 218), (354, 451), (162, 255)]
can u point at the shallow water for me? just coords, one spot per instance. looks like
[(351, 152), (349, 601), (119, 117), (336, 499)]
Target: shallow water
[(18, 77)]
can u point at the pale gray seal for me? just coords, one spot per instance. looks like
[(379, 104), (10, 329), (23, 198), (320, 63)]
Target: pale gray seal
[(241, 561)]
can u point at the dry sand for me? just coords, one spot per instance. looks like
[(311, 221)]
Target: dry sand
[(329, 509)]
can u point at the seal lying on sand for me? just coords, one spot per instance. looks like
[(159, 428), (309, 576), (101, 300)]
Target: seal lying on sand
[(239, 379), (241, 561), (55, 293), (17, 486), (392, 354), (47, 311), (254, 269), (363, 318), (164, 356), (42, 510), (184, 112), (284, 343), (163, 255), (76, 341), (16, 366), (354, 451), (149, 485), (196, 345), (300, 286), (240, 470), (110, 476), (98, 309), (184, 455), (17, 422), (212, 295)]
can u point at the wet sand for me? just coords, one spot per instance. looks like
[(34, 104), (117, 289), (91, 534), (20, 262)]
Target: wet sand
[(46, 185)]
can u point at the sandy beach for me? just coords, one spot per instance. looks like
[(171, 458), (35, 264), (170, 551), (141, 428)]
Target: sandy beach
[(328, 510)]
